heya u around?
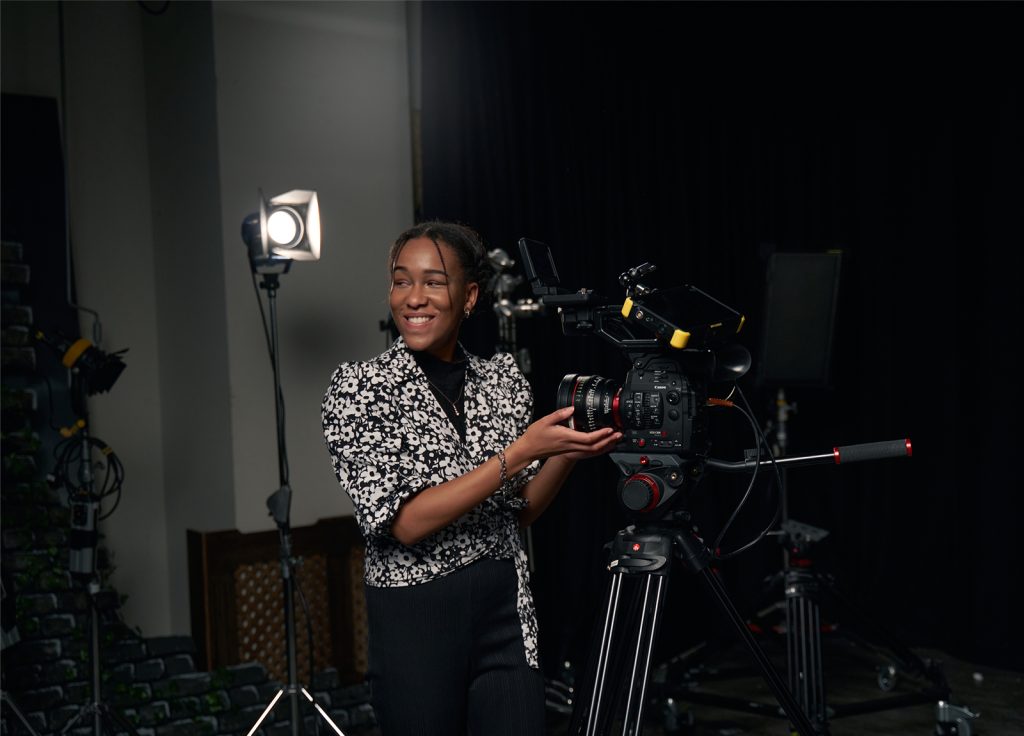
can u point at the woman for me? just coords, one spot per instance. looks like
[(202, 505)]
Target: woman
[(435, 448)]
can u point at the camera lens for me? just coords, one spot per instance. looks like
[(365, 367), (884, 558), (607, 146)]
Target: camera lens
[(595, 401)]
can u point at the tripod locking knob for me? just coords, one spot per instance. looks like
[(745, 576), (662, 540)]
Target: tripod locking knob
[(641, 492)]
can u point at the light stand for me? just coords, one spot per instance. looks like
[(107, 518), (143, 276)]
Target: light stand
[(287, 228), (92, 371), (804, 591), (9, 636), (7, 700), (503, 284), (83, 539)]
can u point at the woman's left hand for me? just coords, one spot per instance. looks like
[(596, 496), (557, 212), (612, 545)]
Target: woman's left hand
[(600, 447), (549, 437)]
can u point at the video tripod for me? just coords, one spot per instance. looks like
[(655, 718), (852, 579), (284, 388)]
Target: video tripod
[(645, 552), (648, 552)]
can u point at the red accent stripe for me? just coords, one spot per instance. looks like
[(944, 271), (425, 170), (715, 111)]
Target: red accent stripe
[(835, 453), (910, 448)]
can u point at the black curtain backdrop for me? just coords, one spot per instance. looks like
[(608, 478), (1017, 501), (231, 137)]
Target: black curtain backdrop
[(704, 137)]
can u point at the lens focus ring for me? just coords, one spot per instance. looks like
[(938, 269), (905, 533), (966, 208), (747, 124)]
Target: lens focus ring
[(594, 400)]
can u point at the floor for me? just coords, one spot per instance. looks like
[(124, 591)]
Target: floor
[(983, 701), (853, 675)]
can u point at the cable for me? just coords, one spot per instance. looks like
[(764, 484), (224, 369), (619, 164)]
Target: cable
[(155, 11), (70, 457), (97, 328), (761, 442), (281, 445), (49, 401)]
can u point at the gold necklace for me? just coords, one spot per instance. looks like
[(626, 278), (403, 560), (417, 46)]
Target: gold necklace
[(439, 392)]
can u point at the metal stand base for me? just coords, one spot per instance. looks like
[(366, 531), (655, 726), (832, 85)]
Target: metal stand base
[(8, 701), (294, 692), (105, 720), (103, 716), (803, 630)]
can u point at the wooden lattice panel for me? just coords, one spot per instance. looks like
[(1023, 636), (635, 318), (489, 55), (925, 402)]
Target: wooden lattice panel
[(237, 599), (260, 606), (360, 628)]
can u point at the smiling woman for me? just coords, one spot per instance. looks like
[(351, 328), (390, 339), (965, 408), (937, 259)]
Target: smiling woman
[(436, 450), (429, 302)]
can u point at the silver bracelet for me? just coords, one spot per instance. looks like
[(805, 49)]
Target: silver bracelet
[(503, 478)]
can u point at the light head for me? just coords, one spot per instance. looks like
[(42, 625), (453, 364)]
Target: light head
[(286, 229)]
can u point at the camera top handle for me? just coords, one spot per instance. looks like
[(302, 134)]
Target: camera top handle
[(585, 312)]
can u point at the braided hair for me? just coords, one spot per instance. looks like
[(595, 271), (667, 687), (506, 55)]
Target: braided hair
[(462, 239)]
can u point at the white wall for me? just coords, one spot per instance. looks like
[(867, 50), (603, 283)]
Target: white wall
[(30, 38), (191, 318), (111, 238), (309, 96), (173, 122)]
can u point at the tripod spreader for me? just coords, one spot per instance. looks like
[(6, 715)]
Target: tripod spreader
[(838, 456)]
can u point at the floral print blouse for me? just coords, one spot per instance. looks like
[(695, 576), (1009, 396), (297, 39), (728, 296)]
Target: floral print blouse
[(388, 439)]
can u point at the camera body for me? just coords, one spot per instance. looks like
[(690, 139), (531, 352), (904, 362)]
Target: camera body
[(675, 342), (660, 411)]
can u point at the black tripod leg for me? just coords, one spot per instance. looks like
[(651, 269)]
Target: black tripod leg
[(595, 716), (593, 709), (792, 709), (803, 645), (116, 723), (653, 599), (9, 702), (646, 558)]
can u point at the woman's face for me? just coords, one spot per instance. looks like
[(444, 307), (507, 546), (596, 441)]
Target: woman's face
[(426, 304)]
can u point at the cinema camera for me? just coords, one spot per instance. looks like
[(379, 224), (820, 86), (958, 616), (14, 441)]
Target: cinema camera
[(677, 342)]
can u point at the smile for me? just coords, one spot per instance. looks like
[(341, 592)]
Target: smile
[(418, 319)]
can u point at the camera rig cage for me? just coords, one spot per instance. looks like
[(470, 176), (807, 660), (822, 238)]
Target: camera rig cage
[(660, 407)]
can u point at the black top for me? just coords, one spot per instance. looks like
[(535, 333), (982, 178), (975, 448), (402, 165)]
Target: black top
[(447, 383)]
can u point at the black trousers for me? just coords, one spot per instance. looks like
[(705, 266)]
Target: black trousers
[(447, 657)]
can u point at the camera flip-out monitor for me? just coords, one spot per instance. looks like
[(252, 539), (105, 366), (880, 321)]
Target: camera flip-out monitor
[(539, 266), (685, 316)]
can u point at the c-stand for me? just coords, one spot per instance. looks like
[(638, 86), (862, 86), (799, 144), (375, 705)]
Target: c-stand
[(83, 538)]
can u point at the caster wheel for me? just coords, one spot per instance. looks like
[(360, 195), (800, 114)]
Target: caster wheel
[(887, 676)]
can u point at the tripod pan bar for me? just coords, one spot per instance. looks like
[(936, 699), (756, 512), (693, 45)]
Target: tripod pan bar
[(838, 456)]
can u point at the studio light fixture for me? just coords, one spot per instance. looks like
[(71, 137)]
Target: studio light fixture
[(286, 229)]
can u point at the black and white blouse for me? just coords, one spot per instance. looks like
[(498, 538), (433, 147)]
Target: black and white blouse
[(389, 438)]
